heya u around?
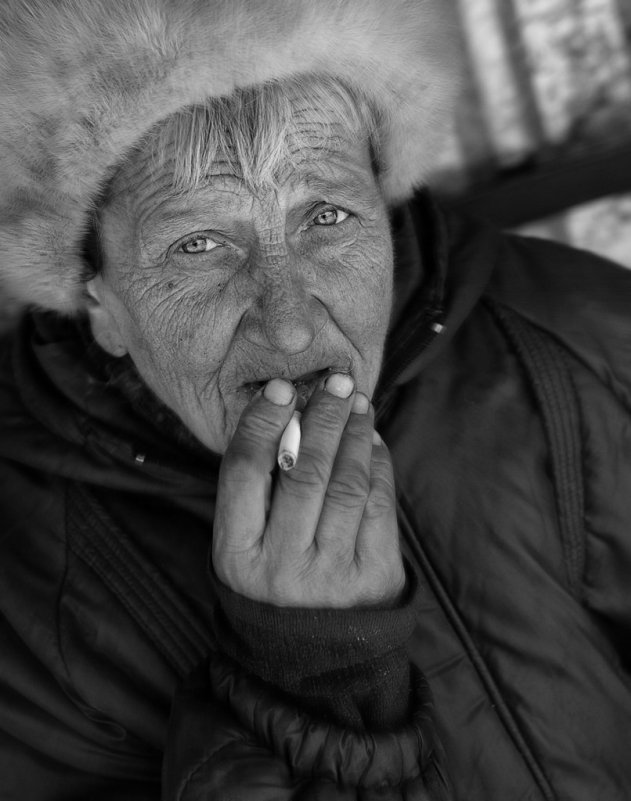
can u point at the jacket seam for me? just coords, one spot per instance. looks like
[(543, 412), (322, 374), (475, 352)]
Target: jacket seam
[(549, 377), (150, 601), (478, 662), (77, 697), (62, 585), (570, 352), (199, 765)]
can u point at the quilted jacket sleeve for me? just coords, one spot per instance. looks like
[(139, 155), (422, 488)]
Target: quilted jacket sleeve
[(347, 666), (305, 703), (235, 737)]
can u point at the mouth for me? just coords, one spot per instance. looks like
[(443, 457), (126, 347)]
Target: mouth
[(305, 384)]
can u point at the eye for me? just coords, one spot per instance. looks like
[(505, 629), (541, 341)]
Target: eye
[(330, 217), (199, 244)]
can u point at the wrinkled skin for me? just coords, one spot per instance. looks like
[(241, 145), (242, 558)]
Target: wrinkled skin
[(282, 282), (278, 295)]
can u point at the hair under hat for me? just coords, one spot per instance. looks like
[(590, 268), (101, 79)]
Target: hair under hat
[(82, 81)]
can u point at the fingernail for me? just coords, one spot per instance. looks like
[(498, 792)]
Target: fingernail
[(340, 384), (376, 439), (279, 392), (361, 404)]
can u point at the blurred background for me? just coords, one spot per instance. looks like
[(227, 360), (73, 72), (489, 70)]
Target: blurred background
[(542, 139)]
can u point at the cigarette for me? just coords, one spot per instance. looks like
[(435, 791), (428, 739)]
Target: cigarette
[(290, 443)]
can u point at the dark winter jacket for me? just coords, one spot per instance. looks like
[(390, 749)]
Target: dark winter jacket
[(505, 400)]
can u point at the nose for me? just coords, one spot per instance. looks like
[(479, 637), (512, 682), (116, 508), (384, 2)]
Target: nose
[(285, 316)]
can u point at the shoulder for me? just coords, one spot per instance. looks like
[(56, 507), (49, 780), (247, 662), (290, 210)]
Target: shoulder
[(579, 298), (555, 284)]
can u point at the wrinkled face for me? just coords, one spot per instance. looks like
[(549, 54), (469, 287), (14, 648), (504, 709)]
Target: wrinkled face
[(216, 290)]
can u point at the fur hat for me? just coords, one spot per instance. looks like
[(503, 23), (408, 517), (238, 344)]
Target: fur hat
[(82, 80)]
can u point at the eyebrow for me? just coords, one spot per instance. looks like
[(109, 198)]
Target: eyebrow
[(350, 182), (181, 206)]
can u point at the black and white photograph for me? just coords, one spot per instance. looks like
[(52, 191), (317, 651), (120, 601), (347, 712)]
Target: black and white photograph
[(315, 400)]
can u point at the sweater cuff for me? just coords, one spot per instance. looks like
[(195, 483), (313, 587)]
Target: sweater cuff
[(349, 665)]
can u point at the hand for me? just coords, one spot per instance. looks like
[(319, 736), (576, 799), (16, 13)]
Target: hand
[(323, 534)]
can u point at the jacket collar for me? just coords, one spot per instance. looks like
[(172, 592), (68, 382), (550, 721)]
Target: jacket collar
[(451, 260), (77, 425)]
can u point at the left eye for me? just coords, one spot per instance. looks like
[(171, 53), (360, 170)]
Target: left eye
[(330, 217), (199, 244)]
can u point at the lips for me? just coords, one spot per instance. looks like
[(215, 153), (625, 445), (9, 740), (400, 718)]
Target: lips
[(305, 384)]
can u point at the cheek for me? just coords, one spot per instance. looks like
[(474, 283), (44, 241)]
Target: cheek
[(177, 328), (360, 284)]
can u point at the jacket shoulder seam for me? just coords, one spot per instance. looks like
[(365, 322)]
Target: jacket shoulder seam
[(546, 367), (149, 597)]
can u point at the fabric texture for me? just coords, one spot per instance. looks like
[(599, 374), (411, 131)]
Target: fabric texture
[(519, 658), (342, 665)]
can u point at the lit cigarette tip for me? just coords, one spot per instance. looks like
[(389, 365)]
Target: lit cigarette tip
[(290, 443), (286, 460)]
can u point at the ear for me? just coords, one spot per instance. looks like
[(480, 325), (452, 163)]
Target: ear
[(105, 328)]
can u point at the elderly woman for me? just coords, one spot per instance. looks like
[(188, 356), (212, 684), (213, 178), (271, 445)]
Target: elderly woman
[(203, 207)]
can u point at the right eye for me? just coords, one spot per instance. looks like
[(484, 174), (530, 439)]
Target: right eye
[(199, 244)]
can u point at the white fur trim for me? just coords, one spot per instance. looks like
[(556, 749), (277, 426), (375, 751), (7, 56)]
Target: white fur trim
[(82, 80)]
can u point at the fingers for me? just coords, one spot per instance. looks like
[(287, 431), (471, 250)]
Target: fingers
[(328, 534), (247, 466), (300, 493), (349, 484), (377, 541), (381, 503)]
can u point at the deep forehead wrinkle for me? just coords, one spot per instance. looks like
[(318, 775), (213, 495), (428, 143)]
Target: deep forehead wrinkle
[(343, 182), (148, 176), (155, 200), (222, 191)]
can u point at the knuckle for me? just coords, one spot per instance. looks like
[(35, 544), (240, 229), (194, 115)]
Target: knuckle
[(281, 590), (350, 485), (284, 582), (382, 466), (356, 472), (301, 486), (337, 559), (378, 506), (380, 579), (247, 447), (313, 468), (255, 426), (341, 500), (359, 425), (329, 413), (328, 583), (374, 513), (236, 568), (382, 488)]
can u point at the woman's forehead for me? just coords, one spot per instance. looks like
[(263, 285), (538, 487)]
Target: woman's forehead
[(262, 136), (338, 170), (320, 158)]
